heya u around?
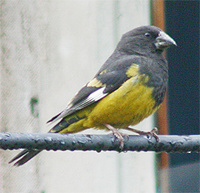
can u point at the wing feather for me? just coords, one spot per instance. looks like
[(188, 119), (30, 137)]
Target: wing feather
[(91, 99), (104, 83)]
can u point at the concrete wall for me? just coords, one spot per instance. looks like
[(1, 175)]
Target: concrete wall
[(49, 49)]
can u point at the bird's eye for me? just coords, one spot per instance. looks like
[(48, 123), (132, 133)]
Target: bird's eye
[(147, 34)]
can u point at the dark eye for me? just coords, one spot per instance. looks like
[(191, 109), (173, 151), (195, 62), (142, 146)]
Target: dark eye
[(147, 34)]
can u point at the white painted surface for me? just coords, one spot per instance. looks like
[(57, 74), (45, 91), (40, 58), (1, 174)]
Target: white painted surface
[(50, 49)]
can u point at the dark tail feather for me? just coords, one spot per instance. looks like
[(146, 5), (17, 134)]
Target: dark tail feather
[(52, 119), (24, 156)]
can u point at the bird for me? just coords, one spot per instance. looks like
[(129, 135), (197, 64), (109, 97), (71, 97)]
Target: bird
[(129, 87)]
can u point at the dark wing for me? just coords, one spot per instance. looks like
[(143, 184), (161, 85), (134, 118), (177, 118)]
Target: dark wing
[(102, 84)]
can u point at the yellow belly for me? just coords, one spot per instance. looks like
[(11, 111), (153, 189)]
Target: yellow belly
[(128, 105)]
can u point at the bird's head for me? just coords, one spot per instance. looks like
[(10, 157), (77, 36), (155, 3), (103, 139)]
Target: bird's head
[(145, 39)]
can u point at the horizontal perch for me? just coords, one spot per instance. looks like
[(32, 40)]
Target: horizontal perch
[(55, 141)]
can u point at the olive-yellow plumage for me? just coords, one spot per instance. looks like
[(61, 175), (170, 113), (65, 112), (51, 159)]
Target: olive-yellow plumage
[(129, 87), (116, 108)]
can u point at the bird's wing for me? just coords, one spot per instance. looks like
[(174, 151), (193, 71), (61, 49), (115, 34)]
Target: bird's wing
[(102, 84)]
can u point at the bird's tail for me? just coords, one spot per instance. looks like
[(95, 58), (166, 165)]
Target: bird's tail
[(24, 156), (69, 124)]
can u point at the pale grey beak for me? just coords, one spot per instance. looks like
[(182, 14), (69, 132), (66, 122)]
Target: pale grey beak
[(164, 41)]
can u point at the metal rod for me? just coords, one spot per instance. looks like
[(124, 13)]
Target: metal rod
[(52, 141)]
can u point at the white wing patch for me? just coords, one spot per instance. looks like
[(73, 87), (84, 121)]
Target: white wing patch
[(92, 98), (97, 95)]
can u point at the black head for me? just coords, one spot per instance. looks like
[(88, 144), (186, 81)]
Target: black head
[(145, 39)]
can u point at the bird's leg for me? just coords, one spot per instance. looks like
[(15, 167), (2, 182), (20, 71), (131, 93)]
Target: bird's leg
[(117, 134), (153, 132)]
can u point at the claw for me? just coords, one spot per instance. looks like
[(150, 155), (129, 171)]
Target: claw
[(117, 134), (153, 132)]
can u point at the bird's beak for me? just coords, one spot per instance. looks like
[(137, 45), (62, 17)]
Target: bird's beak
[(163, 41)]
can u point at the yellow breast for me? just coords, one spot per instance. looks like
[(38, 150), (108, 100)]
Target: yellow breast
[(128, 105)]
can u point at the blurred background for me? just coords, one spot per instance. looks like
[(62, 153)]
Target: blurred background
[(50, 49), (182, 21)]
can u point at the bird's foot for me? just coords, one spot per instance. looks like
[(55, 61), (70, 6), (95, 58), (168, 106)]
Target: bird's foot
[(153, 132), (118, 135)]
